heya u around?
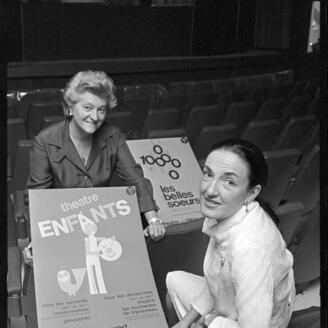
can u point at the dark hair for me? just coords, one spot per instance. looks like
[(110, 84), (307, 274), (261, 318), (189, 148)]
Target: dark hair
[(258, 169)]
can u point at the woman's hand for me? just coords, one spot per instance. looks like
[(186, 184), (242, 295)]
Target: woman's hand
[(28, 256), (155, 230)]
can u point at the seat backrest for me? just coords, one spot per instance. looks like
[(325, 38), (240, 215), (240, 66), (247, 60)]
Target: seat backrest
[(37, 96), (262, 133), (209, 135), (307, 254), (314, 107), (295, 132), (204, 99), (22, 167), (121, 119), (138, 107), (11, 226), (36, 114), (174, 101), (290, 217), (239, 114), (198, 117), (306, 187), (16, 131), (183, 248), (311, 138), (297, 106), (171, 133), (205, 86), (160, 119), (271, 109), (49, 120), (281, 166), (305, 318)]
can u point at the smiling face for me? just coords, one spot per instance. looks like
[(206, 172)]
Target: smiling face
[(88, 113), (225, 184)]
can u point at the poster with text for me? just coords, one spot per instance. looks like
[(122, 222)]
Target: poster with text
[(174, 172), (91, 265)]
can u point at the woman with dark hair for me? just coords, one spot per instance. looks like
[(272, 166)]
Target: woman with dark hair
[(248, 277)]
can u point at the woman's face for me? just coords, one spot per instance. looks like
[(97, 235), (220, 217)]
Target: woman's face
[(88, 113), (224, 186)]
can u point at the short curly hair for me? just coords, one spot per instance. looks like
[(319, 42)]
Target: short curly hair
[(95, 82)]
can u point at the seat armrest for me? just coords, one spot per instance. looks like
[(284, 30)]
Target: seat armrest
[(21, 216), (14, 280)]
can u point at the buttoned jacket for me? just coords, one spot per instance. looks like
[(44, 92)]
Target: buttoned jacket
[(55, 163)]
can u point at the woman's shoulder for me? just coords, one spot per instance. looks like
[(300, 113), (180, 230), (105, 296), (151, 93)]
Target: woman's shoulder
[(259, 232)]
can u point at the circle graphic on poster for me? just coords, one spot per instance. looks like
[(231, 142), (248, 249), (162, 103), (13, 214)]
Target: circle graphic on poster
[(162, 160), (110, 249)]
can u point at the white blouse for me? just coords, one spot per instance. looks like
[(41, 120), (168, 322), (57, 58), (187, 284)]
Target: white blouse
[(247, 260)]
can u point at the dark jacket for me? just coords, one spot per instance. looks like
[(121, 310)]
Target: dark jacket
[(55, 163)]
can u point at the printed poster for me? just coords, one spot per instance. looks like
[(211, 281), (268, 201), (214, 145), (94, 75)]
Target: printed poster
[(91, 265), (172, 168)]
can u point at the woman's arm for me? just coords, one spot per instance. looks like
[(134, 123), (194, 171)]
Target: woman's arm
[(253, 283), (40, 176), (132, 174), (191, 316)]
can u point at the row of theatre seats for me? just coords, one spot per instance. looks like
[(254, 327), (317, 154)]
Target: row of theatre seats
[(249, 107)]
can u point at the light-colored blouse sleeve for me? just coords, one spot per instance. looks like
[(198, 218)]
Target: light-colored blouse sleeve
[(203, 303), (253, 281)]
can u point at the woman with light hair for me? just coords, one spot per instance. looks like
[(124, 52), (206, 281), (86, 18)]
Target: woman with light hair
[(83, 150)]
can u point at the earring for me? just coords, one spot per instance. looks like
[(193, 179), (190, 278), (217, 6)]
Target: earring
[(246, 204)]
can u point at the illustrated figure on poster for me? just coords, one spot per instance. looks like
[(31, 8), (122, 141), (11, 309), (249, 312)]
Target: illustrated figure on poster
[(65, 280), (95, 275), (109, 249)]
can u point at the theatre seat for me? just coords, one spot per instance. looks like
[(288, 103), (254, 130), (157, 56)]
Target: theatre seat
[(36, 114), (11, 104), (138, 107), (183, 248), (312, 138), (306, 250), (306, 318), (199, 117), (262, 133), (271, 109), (14, 281), (171, 133), (174, 101), (22, 167), (314, 106), (189, 89), (223, 86), (153, 91), (260, 94), (297, 106), (37, 96), (239, 114), (49, 120), (290, 217), (305, 186), (160, 119), (121, 119), (295, 132), (204, 99), (209, 135), (16, 131), (281, 165)]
